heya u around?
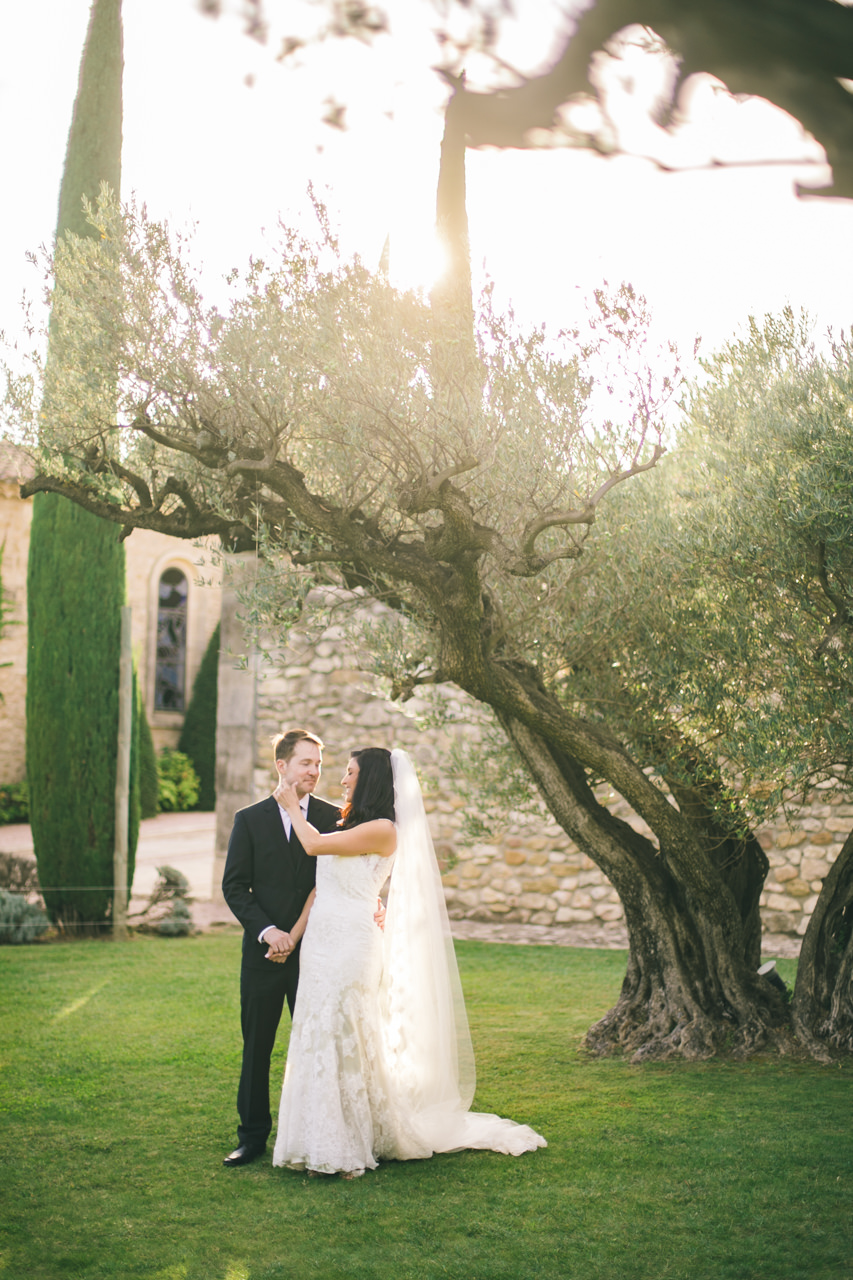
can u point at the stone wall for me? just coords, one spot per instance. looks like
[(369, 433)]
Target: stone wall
[(800, 855), (236, 720), (319, 687), (532, 873)]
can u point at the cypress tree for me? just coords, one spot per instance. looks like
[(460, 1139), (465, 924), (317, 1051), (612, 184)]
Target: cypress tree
[(148, 783), (198, 736), (76, 584)]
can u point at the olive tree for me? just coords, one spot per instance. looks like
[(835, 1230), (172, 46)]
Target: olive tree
[(716, 643), (353, 434), (767, 517)]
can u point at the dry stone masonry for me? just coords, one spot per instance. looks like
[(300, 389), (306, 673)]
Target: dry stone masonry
[(800, 855), (532, 873)]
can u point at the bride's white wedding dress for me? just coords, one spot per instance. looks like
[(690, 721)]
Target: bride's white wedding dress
[(379, 1064), (336, 1110)]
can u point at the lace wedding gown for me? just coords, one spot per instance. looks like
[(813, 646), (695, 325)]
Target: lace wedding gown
[(379, 1030), (336, 1112)]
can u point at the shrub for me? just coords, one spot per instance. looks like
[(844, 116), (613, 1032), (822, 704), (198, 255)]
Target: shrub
[(20, 921), (198, 736), (14, 803), (18, 874), (167, 911), (178, 781), (178, 923), (134, 810), (149, 781)]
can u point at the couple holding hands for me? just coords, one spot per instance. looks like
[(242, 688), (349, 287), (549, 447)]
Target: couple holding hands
[(380, 1064)]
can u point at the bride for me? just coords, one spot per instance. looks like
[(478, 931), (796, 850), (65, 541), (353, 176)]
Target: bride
[(380, 1064)]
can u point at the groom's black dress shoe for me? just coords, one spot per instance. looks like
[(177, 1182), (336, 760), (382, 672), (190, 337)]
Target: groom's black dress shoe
[(244, 1154)]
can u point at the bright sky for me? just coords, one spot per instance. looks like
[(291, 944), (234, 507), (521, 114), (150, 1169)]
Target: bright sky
[(706, 247)]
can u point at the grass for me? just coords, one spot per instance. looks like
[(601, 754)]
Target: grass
[(117, 1088)]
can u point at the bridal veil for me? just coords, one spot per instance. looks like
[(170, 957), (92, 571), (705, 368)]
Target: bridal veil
[(425, 1028)]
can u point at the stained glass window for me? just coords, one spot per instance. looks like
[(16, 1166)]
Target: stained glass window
[(169, 691)]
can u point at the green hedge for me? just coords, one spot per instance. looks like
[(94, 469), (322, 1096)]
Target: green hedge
[(149, 782), (198, 736)]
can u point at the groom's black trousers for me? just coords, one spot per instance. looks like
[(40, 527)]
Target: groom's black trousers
[(262, 996)]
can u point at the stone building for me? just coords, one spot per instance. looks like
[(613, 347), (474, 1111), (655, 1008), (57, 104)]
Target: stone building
[(173, 618)]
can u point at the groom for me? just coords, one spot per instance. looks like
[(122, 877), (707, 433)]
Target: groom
[(267, 882)]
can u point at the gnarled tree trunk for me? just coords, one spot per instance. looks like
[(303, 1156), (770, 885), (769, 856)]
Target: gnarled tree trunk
[(822, 1009), (691, 988)]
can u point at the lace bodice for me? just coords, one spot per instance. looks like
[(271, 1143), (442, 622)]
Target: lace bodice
[(343, 882)]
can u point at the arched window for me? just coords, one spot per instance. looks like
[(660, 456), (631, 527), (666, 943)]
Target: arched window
[(169, 694)]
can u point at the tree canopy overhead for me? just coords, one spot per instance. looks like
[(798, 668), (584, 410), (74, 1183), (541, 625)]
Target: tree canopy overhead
[(798, 54), (795, 53)]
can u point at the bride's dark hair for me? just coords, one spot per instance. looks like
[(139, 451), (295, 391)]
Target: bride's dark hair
[(373, 794)]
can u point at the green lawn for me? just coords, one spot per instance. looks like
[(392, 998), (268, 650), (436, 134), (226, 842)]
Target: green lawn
[(117, 1094)]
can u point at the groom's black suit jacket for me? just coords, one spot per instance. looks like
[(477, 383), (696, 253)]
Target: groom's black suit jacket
[(267, 879)]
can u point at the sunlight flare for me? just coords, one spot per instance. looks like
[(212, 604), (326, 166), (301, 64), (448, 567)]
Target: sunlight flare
[(76, 1005)]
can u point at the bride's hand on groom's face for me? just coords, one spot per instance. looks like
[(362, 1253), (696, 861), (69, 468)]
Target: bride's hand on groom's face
[(285, 794)]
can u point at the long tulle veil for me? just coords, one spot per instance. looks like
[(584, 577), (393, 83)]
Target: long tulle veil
[(426, 1028), (426, 1040)]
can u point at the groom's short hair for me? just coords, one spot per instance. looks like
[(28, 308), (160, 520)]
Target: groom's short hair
[(284, 744)]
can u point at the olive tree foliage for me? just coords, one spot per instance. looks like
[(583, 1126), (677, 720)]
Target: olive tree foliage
[(767, 510), (730, 601), (771, 525), (321, 370), (717, 644)]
